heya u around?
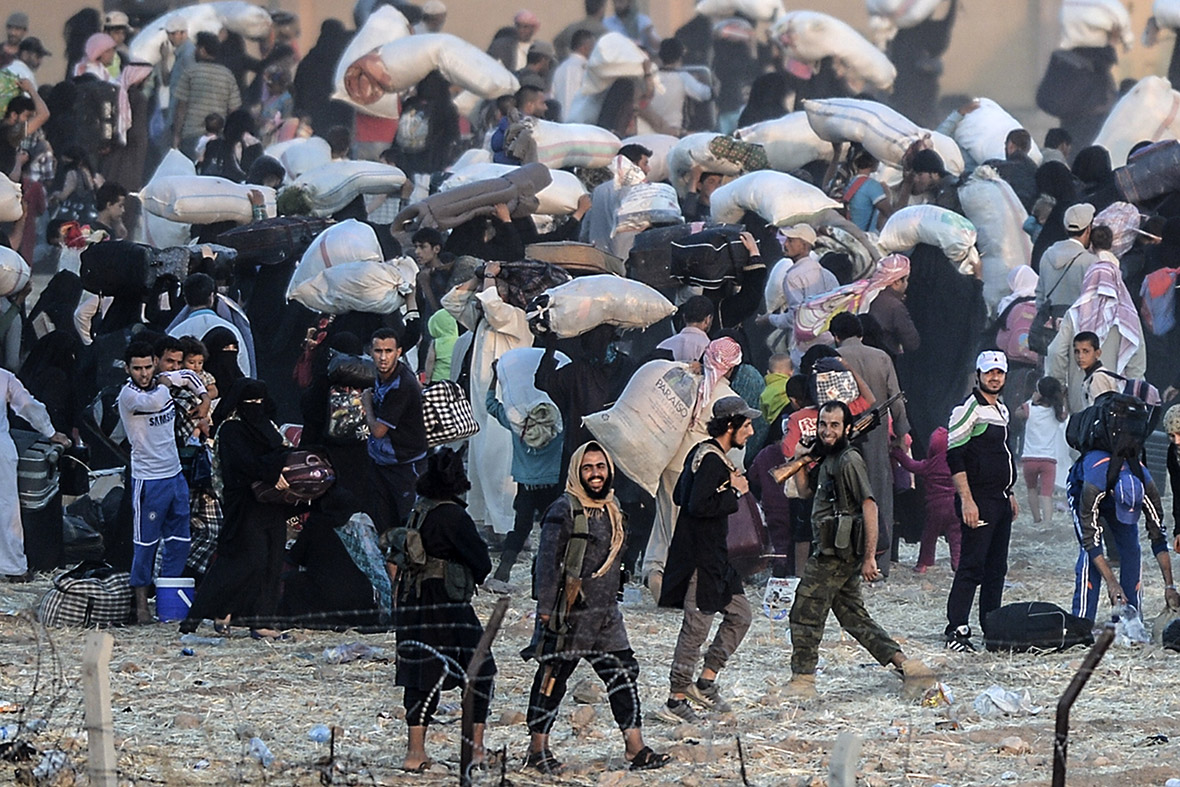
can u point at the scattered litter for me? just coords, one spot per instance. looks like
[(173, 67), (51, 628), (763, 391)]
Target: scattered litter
[(1159, 739), (200, 765), (194, 639), (261, 752), (320, 733), (51, 764), (1129, 628), (1008, 776), (352, 651), (938, 695), (187, 652), (998, 701)]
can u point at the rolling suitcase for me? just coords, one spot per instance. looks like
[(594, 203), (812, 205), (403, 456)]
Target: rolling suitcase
[(40, 499)]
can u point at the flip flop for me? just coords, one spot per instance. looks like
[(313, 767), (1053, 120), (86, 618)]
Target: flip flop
[(545, 762), (648, 760)]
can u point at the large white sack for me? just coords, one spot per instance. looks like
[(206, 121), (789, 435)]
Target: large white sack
[(340, 244), (930, 224), (10, 197), (160, 232), (660, 146), (773, 293), (983, 131), (560, 145), (202, 199), (903, 13), (301, 155), (14, 272), (408, 60), (948, 150), (693, 150), (373, 287), (643, 429), (615, 56), (1167, 13), (758, 10), (581, 305), (790, 141), (145, 46), (471, 157), (331, 186), (1150, 110), (245, 19), (779, 198), (1090, 23), (383, 25), (995, 210), (810, 36), (883, 131), (516, 371), (646, 204), (559, 198)]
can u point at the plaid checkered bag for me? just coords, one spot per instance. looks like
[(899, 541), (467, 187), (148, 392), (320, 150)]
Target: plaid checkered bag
[(750, 156), (447, 413), (91, 594), (205, 519)]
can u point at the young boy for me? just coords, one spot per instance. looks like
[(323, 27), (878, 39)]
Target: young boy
[(194, 360), (214, 125)]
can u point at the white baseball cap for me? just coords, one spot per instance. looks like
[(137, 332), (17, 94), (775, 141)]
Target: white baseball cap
[(991, 359)]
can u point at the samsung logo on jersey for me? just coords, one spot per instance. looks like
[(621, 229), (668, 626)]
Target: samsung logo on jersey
[(162, 419)]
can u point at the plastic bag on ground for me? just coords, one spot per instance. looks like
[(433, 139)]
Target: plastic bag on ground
[(11, 208), (332, 186), (401, 64), (775, 196), (385, 24), (1090, 23), (982, 133), (998, 701), (660, 146), (930, 224), (160, 232), (516, 371), (559, 198), (348, 241), (1130, 630), (560, 145), (14, 272), (644, 428), (202, 199), (581, 305), (647, 204), (373, 287), (790, 141), (995, 210), (1150, 111), (810, 36)]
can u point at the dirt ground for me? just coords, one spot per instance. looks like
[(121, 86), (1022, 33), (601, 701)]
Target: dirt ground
[(189, 719)]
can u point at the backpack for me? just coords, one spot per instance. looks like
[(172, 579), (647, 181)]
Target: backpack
[(1014, 326), (346, 416), (1099, 426), (1158, 307), (413, 131), (404, 548), (1035, 625)]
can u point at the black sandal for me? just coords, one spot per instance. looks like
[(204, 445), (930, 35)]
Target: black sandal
[(648, 760), (545, 762)]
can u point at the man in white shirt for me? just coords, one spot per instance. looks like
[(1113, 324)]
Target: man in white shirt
[(571, 74), (689, 345), (159, 492), (205, 310), (667, 105), (28, 59), (14, 567), (805, 279)]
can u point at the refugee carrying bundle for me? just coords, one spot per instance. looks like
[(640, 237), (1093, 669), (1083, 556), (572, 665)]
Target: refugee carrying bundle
[(1089, 23), (518, 283), (881, 130), (575, 258), (998, 216), (272, 241), (644, 428), (11, 208), (516, 371), (14, 272), (401, 64), (790, 142), (309, 476), (559, 198), (660, 146), (777, 197), (583, 304), (301, 154), (650, 258), (237, 16), (757, 10), (1114, 417), (983, 131), (930, 224), (710, 258), (645, 205), (348, 241), (447, 413), (903, 13), (331, 187), (200, 199), (615, 56), (385, 24), (1149, 111), (160, 232), (560, 145), (811, 36), (713, 153), (1035, 625), (374, 287), (517, 189), (91, 594)]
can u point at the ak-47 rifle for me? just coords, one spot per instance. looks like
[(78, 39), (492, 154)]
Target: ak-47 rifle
[(557, 627), (867, 422)]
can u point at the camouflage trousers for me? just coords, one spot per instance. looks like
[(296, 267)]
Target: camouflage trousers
[(832, 584)]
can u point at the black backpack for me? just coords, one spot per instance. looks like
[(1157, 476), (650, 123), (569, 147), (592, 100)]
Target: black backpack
[(1036, 625), (1099, 426)]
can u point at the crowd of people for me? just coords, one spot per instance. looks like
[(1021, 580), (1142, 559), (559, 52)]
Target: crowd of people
[(187, 381)]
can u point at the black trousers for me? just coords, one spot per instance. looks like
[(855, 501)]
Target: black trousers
[(420, 704), (393, 492), (983, 563), (529, 504), (618, 670)]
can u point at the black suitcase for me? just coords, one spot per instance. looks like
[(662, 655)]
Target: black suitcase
[(271, 241), (40, 499), (1150, 173), (710, 258), (650, 260)]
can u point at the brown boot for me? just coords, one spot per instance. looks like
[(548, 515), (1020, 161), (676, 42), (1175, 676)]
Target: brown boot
[(143, 615), (801, 687)]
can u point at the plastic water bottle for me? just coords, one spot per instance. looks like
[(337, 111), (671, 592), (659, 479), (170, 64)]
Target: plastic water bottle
[(9, 732), (260, 751), (342, 654), (193, 639), (320, 733)]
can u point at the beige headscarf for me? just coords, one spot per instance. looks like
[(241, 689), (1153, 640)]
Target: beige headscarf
[(574, 488)]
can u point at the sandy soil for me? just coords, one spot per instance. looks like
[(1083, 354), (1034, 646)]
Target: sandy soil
[(188, 719)]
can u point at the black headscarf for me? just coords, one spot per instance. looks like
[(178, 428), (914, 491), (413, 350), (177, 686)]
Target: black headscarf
[(248, 400), (1055, 180), (222, 363), (768, 95), (1092, 167)]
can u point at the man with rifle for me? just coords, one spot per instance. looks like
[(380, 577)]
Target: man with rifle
[(577, 582), (844, 521)]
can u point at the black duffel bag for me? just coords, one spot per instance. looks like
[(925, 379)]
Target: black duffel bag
[(1036, 625), (710, 258), (272, 241), (352, 371), (118, 267), (1076, 83)]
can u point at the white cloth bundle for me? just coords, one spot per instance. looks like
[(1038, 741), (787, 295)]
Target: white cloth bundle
[(331, 186), (983, 131), (363, 286), (160, 232), (660, 146), (516, 371), (693, 150), (14, 272), (790, 141), (1091, 23), (348, 241), (643, 429), (881, 130), (401, 64), (903, 13), (10, 200), (245, 19), (758, 10), (559, 198), (930, 224), (779, 198), (995, 210), (1151, 110), (383, 25), (645, 204), (561, 145), (301, 155), (614, 57), (1167, 13), (810, 36), (202, 199), (581, 305)]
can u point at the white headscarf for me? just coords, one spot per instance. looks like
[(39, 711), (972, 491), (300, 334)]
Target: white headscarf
[(1022, 281)]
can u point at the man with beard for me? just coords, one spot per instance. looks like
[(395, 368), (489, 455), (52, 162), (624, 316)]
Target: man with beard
[(577, 583), (700, 577), (844, 520), (983, 472)]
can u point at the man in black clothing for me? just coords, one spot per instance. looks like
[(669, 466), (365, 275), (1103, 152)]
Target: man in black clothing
[(397, 433), (1017, 169), (698, 574)]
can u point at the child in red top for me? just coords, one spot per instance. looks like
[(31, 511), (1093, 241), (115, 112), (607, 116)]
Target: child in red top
[(940, 499)]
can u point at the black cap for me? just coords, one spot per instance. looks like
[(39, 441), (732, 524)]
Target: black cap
[(928, 161), (33, 44)]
